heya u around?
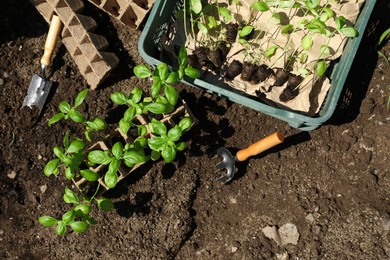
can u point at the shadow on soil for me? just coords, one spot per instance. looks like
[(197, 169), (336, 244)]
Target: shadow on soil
[(359, 77)]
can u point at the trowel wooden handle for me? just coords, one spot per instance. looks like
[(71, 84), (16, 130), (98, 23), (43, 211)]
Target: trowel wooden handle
[(51, 40), (260, 146)]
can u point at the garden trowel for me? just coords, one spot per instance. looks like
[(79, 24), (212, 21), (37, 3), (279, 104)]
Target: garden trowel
[(40, 87)]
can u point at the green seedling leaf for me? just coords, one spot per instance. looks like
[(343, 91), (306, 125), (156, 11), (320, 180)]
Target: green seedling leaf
[(260, 6), (61, 228), (303, 57), (51, 167), (312, 4), (155, 155), (171, 94), (246, 30), (302, 23), (158, 127), (287, 29), (117, 150), (99, 157), (325, 49), (287, 4), (114, 165), (141, 71), (163, 71), (329, 12), (142, 130), (97, 124), (321, 68), (242, 41), (349, 31), (156, 108), (89, 175), (69, 173), (136, 95), (82, 210), (56, 118), (172, 78), (276, 18), (59, 153), (225, 13), (47, 221), (76, 116), (64, 107), (70, 196), (111, 179), (75, 146), (174, 133), (68, 216), (156, 86), (65, 140), (185, 123), (306, 42), (195, 6), (168, 153), (124, 125), (130, 114), (132, 157), (192, 72), (340, 22), (202, 28), (183, 61), (212, 22), (181, 146), (105, 204), (383, 36), (156, 143), (80, 97), (303, 71), (118, 98), (271, 51), (79, 226), (141, 141)]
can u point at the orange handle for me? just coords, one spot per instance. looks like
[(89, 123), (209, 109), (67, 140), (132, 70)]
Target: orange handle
[(260, 146), (51, 40)]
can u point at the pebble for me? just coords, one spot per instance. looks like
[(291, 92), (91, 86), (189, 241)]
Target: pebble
[(289, 234), (11, 175), (43, 188), (325, 148), (233, 201), (234, 249), (1, 81)]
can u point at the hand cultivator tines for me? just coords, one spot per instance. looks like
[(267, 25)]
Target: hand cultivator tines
[(86, 48), (130, 13), (229, 160)]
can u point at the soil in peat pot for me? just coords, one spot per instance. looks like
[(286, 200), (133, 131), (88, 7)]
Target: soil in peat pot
[(322, 194)]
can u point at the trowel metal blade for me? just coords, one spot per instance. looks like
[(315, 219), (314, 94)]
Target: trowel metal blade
[(37, 92)]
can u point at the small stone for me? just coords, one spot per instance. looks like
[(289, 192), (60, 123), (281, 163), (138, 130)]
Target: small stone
[(233, 201), (310, 218), (43, 188), (325, 148), (283, 256), (1, 81), (289, 234), (271, 232), (234, 249), (1, 232), (5, 74), (386, 224), (39, 157), (11, 175)]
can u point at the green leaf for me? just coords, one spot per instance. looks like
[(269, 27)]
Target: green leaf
[(118, 98), (89, 175), (202, 28), (64, 107), (82, 209), (99, 157), (212, 22), (276, 18), (183, 61), (124, 125), (172, 78), (168, 153), (181, 146), (80, 98), (192, 72), (75, 146), (324, 49), (156, 143), (56, 118), (174, 133), (349, 31), (105, 204), (129, 114), (158, 127), (156, 108), (69, 173), (287, 29), (141, 71), (224, 12), (303, 71), (163, 71), (306, 42), (59, 153), (156, 86), (171, 94), (70, 196), (340, 22), (311, 4), (47, 221), (321, 68), (287, 4), (61, 228), (246, 30), (114, 165), (260, 6), (141, 141), (383, 36), (97, 124), (136, 95), (76, 116), (132, 157), (79, 226), (111, 179), (155, 155), (117, 150), (142, 130), (65, 140), (68, 216), (185, 123), (195, 6), (51, 167), (271, 51)]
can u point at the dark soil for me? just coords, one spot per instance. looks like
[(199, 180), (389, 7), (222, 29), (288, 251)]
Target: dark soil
[(332, 183)]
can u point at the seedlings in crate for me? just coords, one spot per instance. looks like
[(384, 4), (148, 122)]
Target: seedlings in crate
[(289, 93), (281, 77), (234, 69), (247, 70)]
